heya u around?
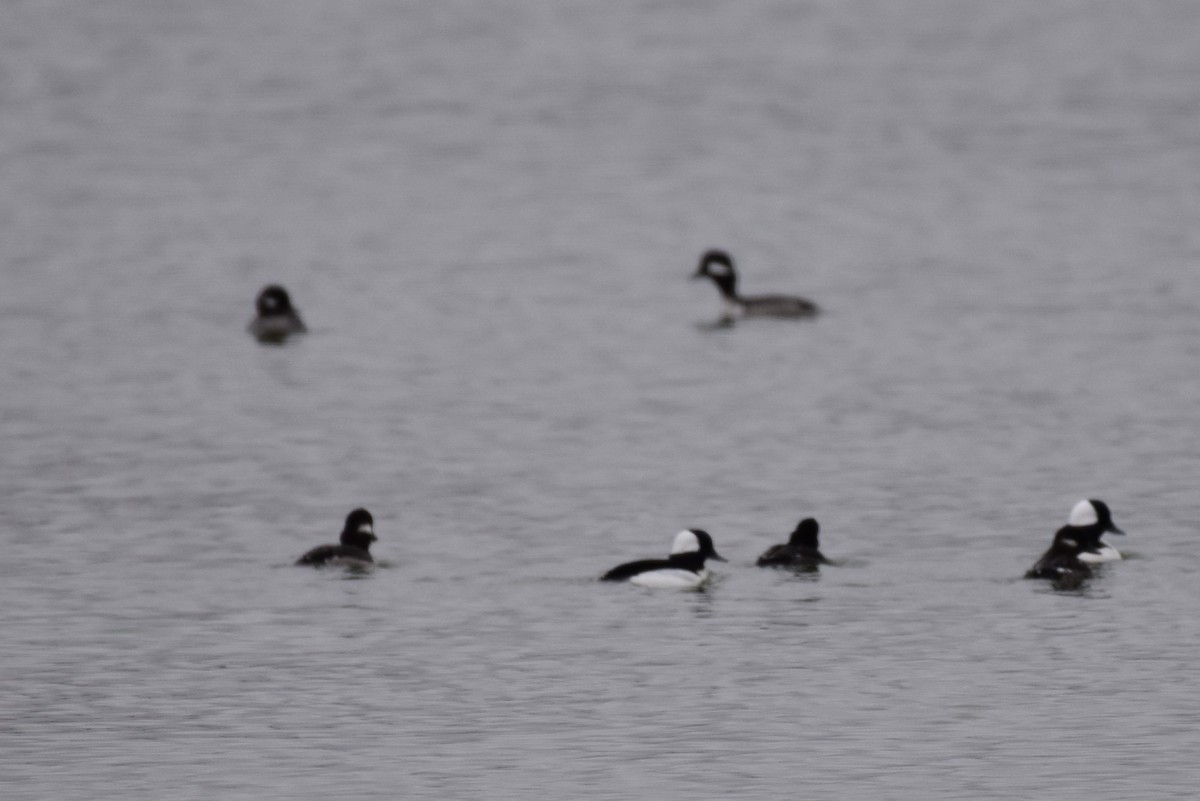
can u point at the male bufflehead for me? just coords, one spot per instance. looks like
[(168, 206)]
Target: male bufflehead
[(1089, 521), (683, 569), (717, 265), (355, 547), (1062, 563), (801, 551), (277, 319)]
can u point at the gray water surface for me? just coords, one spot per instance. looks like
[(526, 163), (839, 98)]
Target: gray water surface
[(486, 213)]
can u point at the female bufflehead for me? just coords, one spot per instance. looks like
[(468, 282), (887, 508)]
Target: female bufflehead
[(683, 569), (277, 319), (717, 265), (801, 551), (355, 547), (1062, 563), (1089, 521)]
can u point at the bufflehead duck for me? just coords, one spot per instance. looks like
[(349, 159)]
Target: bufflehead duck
[(277, 319), (683, 569), (1062, 563), (801, 551), (1089, 521), (355, 547), (717, 265)]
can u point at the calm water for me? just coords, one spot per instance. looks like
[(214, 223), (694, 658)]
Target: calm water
[(486, 213)]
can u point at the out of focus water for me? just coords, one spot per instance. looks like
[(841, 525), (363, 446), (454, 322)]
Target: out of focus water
[(486, 213)]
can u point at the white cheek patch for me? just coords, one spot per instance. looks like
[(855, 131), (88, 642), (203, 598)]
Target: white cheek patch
[(365, 528), (1069, 543), (685, 542), (1084, 514)]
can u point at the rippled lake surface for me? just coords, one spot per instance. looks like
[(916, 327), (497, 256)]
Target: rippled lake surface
[(487, 213)]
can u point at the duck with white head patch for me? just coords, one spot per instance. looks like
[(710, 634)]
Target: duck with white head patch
[(682, 570), (1077, 545), (277, 319), (354, 548), (717, 265)]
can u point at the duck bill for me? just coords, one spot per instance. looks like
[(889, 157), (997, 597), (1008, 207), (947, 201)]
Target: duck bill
[(1114, 529), (717, 556)]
